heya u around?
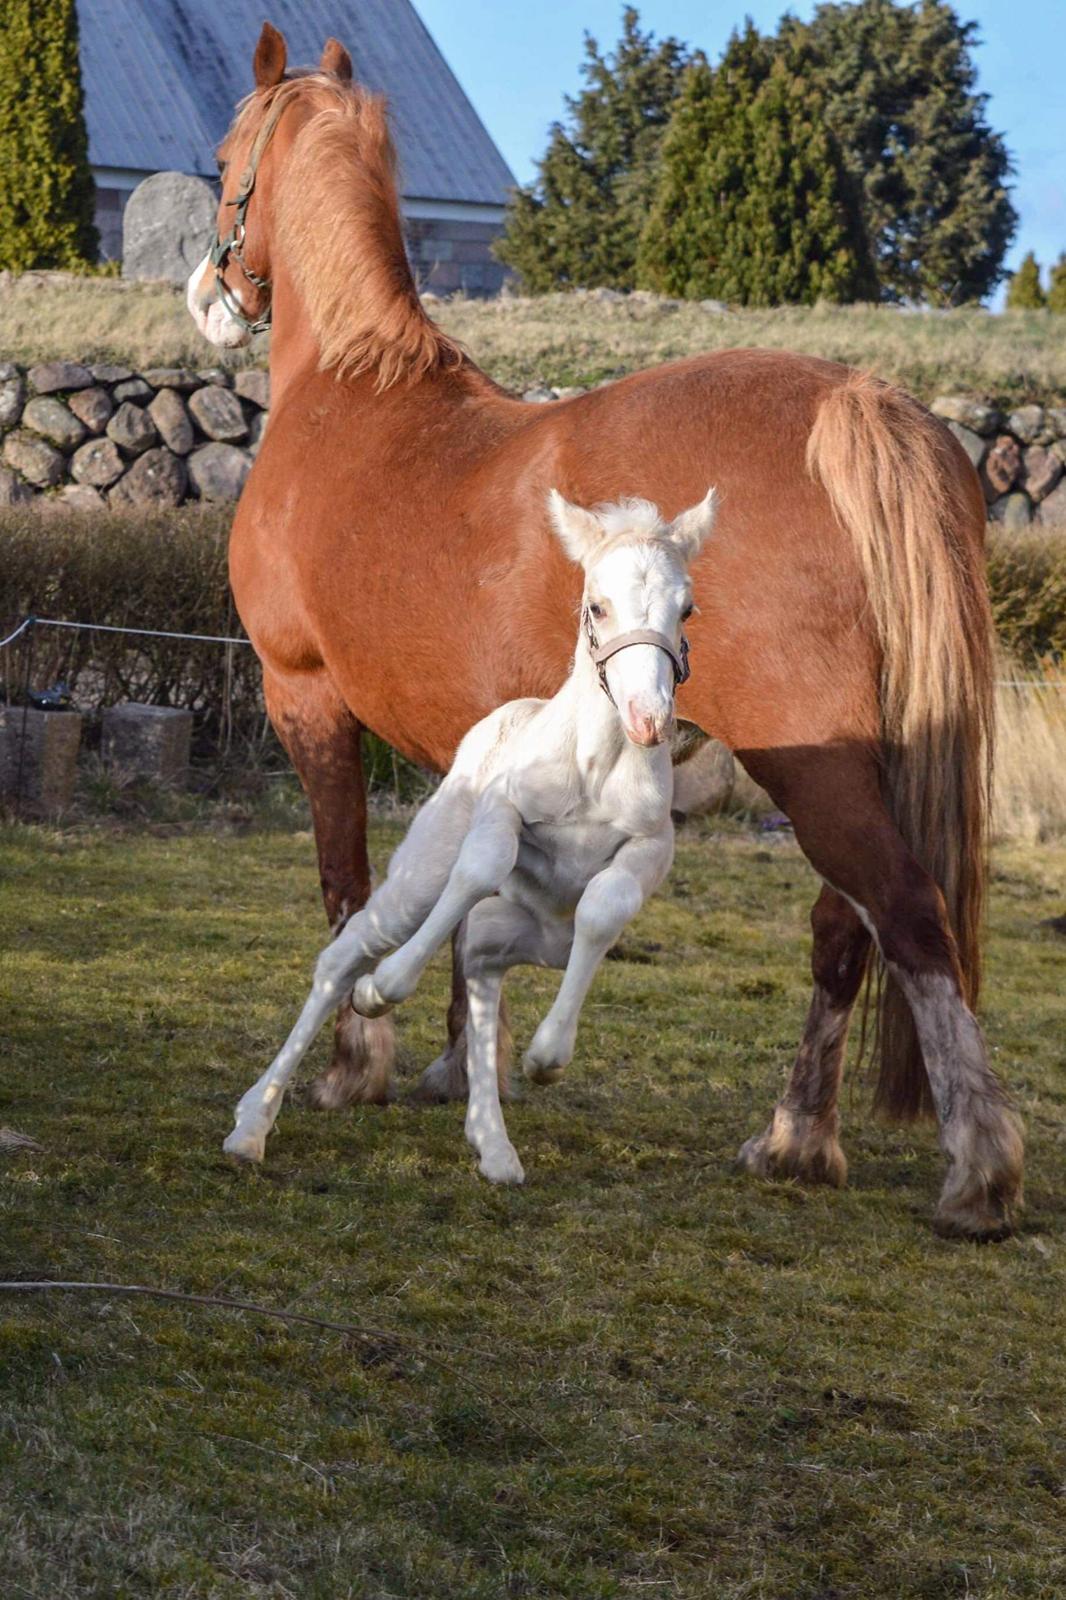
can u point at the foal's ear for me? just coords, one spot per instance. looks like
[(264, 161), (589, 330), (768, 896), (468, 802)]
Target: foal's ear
[(579, 531), (268, 63), (688, 530), (336, 59)]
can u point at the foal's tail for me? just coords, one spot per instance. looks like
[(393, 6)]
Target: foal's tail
[(916, 515)]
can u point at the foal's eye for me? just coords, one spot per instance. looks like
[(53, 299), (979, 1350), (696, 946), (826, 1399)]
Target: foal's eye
[(597, 611)]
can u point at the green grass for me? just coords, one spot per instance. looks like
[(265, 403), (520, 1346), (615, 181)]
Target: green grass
[(714, 1387), (567, 339)]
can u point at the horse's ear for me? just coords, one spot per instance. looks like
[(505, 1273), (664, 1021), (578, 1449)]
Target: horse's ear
[(688, 531), (268, 63), (336, 59), (579, 531)]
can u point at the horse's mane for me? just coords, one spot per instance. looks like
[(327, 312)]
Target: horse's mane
[(337, 220)]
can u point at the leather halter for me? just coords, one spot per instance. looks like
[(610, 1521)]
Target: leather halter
[(602, 653), (233, 243)]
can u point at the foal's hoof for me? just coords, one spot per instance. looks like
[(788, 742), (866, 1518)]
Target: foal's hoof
[(245, 1145), (368, 1000), (500, 1164), (541, 1072)]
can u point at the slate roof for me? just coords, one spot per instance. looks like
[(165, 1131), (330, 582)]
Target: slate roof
[(161, 78)]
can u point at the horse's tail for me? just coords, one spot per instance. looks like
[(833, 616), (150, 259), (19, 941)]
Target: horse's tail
[(900, 487)]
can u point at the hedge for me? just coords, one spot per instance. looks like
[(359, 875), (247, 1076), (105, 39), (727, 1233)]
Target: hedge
[(167, 570)]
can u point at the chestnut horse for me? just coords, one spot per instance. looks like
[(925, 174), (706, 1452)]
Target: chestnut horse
[(395, 569)]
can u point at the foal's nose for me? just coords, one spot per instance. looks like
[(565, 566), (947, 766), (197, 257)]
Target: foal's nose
[(642, 728)]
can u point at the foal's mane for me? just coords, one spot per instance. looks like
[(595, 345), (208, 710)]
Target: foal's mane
[(337, 221)]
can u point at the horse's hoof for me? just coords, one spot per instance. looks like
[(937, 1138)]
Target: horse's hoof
[(245, 1146), (795, 1147), (368, 1000), (753, 1156), (501, 1165)]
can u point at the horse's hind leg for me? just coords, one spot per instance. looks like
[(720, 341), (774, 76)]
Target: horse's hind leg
[(323, 740), (802, 1139), (833, 798)]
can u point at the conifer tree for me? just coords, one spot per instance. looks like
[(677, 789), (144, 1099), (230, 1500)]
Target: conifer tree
[(1056, 295), (1025, 292), (900, 89), (46, 189), (753, 204), (579, 222)]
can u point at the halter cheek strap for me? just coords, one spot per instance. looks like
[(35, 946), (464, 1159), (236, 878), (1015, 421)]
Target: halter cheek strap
[(233, 242), (602, 653)]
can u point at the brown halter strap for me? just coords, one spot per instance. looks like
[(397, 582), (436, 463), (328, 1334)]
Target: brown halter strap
[(602, 653)]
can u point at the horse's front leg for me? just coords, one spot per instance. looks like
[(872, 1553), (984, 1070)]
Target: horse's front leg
[(323, 740), (486, 859), (611, 899)]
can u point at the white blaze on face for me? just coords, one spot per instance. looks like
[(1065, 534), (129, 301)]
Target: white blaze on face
[(644, 586), (208, 312)]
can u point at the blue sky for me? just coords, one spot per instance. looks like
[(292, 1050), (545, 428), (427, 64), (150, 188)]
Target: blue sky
[(516, 61)]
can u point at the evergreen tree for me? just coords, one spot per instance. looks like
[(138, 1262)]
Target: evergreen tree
[(1025, 292), (579, 223), (46, 189), (753, 204), (1056, 295), (900, 91)]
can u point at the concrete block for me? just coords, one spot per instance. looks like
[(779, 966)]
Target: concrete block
[(48, 760), (148, 742)]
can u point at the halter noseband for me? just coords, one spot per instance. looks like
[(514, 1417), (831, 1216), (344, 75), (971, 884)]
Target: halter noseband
[(233, 243), (602, 653)]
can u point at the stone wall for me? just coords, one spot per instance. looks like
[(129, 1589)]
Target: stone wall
[(99, 436), (1019, 455)]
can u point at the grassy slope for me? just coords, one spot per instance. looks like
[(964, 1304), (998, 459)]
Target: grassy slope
[(565, 339), (718, 1387)]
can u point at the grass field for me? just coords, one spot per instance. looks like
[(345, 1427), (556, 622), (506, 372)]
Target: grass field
[(640, 1375), (570, 339)]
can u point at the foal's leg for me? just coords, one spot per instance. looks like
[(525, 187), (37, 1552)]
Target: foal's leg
[(323, 741), (801, 1141), (844, 830), (486, 858), (611, 899), (417, 872), (445, 1078), (499, 935)]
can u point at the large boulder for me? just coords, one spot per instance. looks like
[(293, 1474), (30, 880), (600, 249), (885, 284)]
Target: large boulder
[(12, 398), (217, 471), (168, 413), (132, 429), (167, 226), (219, 415), (158, 478), (97, 463), (49, 417), (35, 458), (93, 407)]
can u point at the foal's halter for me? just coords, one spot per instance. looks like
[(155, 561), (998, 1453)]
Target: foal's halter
[(602, 653), (233, 243)]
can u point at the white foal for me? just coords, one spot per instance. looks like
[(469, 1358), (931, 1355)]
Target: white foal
[(548, 834)]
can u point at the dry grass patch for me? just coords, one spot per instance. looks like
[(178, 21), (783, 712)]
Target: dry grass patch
[(564, 339)]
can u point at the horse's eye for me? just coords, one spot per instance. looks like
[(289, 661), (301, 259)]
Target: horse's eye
[(597, 611), (687, 612)]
